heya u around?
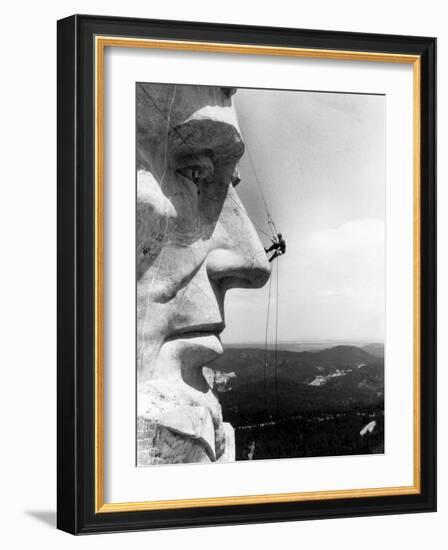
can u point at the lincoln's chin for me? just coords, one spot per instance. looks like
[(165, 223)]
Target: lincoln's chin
[(179, 418)]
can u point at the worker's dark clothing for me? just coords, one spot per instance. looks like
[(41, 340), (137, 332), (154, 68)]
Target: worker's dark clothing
[(279, 246)]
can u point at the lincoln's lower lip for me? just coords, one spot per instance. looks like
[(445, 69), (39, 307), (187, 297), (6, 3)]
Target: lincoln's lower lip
[(191, 335), (194, 348)]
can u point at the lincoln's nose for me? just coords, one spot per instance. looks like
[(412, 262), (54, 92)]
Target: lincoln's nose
[(237, 258), (233, 270)]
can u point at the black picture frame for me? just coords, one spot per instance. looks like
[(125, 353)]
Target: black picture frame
[(76, 286)]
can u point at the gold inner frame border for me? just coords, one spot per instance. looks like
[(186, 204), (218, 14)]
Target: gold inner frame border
[(101, 42)]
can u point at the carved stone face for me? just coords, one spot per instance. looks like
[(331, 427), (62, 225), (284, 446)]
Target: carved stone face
[(194, 242)]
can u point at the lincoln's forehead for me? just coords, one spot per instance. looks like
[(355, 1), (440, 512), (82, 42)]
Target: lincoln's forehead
[(192, 118), (189, 100)]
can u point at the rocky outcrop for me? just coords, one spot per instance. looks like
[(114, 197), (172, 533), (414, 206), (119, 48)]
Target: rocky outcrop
[(175, 425), (194, 242), (158, 444)]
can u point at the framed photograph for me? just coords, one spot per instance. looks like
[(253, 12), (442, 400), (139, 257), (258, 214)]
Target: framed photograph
[(246, 274)]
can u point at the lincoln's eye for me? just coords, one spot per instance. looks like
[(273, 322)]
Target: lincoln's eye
[(192, 173), (195, 168)]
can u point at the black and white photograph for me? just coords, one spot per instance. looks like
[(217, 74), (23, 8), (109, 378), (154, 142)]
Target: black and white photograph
[(246, 259), (220, 258), (260, 273)]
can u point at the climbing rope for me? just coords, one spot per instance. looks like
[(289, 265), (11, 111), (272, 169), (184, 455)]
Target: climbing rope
[(272, 235), (260, 188), (274, 275), (276, 341), (253, 221), (271, 223), (159, 260), (265, 373)]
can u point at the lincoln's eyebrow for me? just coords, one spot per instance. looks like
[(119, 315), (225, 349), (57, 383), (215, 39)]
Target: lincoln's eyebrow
[(217, 137)]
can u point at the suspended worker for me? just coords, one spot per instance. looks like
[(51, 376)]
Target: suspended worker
[(278, 245)]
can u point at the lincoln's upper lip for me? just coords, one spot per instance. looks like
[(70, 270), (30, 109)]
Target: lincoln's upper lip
[(194, 331)]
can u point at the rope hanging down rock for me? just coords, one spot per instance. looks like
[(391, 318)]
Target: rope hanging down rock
[(273, 235)]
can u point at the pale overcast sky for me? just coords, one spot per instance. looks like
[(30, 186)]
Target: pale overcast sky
[(320, 158)]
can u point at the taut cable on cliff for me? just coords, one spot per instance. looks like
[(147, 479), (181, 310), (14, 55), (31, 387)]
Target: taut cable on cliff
[(185, 140), (265, 379), (164, 168), (276, 343), (277, 246), (271, 223)]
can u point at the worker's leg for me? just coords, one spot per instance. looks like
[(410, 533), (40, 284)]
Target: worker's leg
[(272, 247), (274, 256)]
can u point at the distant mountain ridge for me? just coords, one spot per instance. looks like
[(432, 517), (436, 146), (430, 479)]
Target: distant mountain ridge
[(375, 349), (310, 345), (334, 379)]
